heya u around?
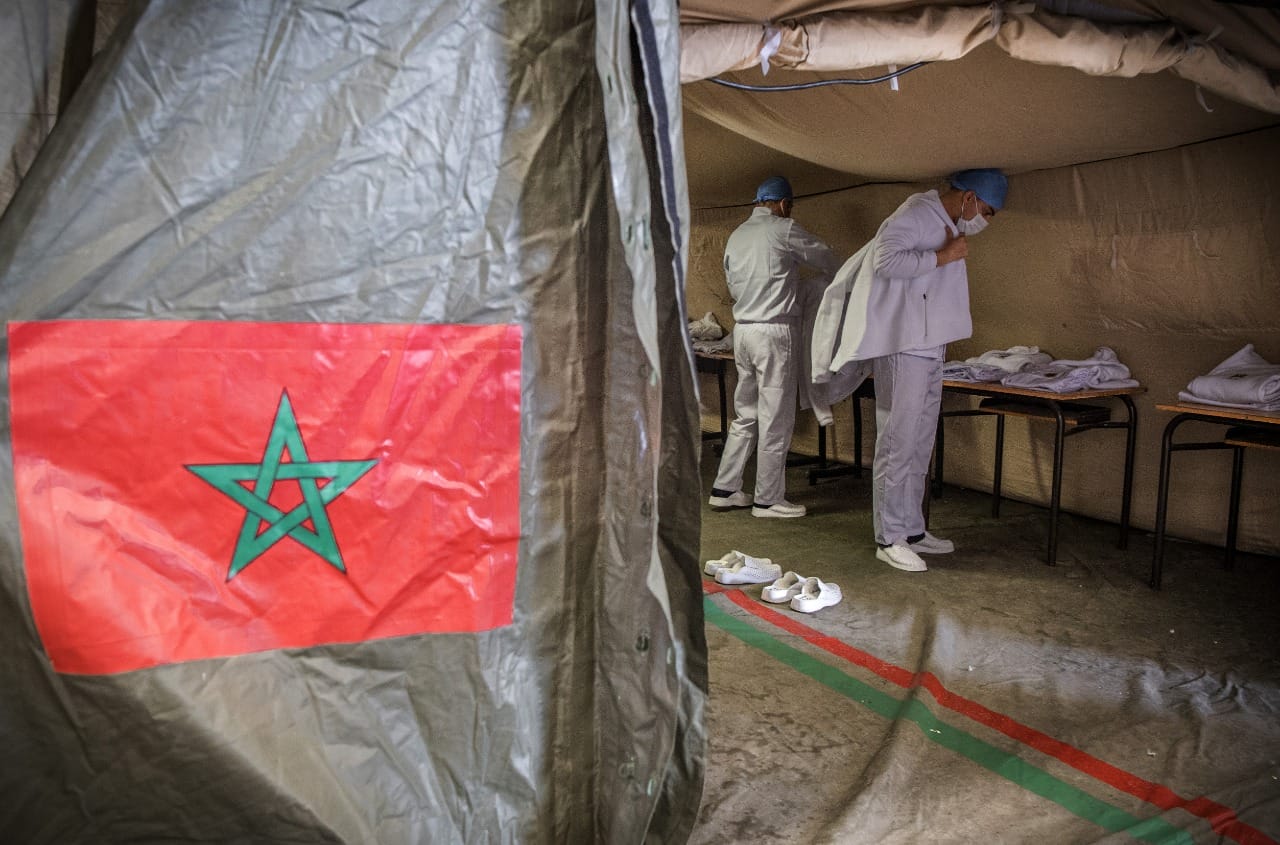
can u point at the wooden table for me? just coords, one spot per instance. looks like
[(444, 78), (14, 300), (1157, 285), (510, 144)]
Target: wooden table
[(1247, 428), (1070, 416)]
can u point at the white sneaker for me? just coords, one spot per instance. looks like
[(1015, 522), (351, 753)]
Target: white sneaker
[(779, 510), (749, 570), (784, 589), (815, 595), (733, 500), (931, 545), (900, 556), (714, 566)]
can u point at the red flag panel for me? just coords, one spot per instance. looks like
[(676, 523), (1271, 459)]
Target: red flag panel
[(190, 490)]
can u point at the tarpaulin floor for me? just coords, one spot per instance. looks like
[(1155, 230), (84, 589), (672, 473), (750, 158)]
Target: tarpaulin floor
[(993, 698)]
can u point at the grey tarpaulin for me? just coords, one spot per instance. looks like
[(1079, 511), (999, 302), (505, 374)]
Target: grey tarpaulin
[(392, 162)]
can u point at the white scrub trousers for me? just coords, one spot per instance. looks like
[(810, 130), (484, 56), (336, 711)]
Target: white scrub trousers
[(908, 398), (764, 405)]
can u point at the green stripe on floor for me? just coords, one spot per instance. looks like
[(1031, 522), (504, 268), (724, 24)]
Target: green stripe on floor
[(1005, 765)]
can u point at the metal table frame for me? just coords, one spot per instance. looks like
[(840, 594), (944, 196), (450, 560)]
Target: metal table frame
[(1053, 402), (1188, 412)]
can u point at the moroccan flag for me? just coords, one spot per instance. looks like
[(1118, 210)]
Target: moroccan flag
[(190, 490)]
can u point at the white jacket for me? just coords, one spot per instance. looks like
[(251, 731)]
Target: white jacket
[(761, 262), (890, 297)]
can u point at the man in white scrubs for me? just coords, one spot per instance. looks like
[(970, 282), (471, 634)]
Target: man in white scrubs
[(761, 261), (915, 290)]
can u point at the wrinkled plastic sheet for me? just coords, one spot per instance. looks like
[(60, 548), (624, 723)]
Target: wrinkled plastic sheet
[(384, 165)]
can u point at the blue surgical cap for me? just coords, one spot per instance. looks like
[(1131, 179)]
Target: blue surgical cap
[(988, 183), (773, 188)]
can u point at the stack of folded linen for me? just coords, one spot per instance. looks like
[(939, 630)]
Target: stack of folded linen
[(709, 336), (1013, 359), (706, 328), (724, 344), (1245, 380), (964, 371), (1101, 372), (994, 365)]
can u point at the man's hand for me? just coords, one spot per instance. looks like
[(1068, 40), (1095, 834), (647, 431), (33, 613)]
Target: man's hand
[(955, 248)]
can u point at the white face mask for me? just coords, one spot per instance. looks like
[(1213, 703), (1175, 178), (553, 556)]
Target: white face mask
[(969, 228)]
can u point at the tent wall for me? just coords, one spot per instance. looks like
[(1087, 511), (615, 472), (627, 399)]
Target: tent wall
[(1171, 258), (338, 161), (45, 47)]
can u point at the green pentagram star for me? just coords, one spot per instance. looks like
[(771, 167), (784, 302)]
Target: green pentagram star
[(254, 541)]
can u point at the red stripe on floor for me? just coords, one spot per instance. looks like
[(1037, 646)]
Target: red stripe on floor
[(1222, 818)]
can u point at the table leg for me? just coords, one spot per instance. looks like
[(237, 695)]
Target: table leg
[(1055, 503), (939, 462), (1233, 514), (1162, 499), (1126, 497), (857, 437), (724, 406), (999, 467)]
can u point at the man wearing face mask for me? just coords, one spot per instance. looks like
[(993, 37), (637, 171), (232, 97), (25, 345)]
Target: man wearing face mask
[(908, 299)]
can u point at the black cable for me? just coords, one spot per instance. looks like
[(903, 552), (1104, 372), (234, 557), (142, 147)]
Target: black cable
[(800, 86)]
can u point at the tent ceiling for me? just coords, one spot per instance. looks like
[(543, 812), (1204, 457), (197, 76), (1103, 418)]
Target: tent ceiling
[(986, 108)]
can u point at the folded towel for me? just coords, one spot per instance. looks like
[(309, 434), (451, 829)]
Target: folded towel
[(1245, 380)]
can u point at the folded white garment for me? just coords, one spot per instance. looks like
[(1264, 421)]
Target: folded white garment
[(1245, 380), (706, 328), (1013, 359), (724, 344), (962, 371), (1101, 372)]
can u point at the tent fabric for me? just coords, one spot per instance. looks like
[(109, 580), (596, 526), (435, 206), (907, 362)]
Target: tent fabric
[(333, 161), (1248, 29), (32, 57), (856, 40)]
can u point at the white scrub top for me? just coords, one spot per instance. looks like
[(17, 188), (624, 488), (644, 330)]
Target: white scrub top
[(760, 265)]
